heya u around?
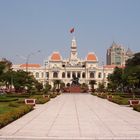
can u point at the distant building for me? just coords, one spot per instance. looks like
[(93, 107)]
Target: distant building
[(117, 55)]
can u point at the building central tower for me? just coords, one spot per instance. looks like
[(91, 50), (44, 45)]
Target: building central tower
[(73, 53)]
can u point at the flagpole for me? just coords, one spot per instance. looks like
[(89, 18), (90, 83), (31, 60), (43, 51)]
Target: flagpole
[(72, 31)]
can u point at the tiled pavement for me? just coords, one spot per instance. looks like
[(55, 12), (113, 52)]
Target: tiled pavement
[(75, 116)]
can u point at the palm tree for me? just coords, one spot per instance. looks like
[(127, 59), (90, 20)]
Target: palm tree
[(57, 85)]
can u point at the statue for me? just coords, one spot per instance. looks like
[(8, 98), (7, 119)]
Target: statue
[(75, 81)]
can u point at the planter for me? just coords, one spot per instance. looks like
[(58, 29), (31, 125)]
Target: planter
[(46, 96), (30, 102), (109, 97), (134, 102)]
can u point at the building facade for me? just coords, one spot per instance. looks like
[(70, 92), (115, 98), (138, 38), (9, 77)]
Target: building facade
[(117, 55), (57, 68)]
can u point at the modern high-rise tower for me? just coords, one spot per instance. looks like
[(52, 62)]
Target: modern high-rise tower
[(117, 55)]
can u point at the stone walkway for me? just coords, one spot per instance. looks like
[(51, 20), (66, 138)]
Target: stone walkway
[(78, 117)]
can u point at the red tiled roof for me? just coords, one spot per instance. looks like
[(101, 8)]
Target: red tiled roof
[(91, 57), (55, 56), (30, 65)]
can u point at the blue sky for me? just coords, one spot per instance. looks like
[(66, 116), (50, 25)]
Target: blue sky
[(27, 26)]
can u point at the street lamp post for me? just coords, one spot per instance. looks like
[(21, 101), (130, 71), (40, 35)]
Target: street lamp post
[(28, 57), (103, 72)]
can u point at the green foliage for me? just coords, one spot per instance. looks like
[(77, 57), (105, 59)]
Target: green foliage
[(101, 87), (5, 65), (47, 88), (62, 85), (84, 87), (134, 61), (128, 78), (136, 107), (115, 79), (7, 99), (40, 99), (39, 86), (23, 95), (13, 104), (68, 85), (5, 72), (24, 81), (102, 95), (53, 95), (120, 100), (92, 83), (10, 116), (57, 84)]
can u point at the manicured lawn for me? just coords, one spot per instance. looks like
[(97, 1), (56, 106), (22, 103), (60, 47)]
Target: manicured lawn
[(4, 107), (5, 103), (13, 107), (119, 98)]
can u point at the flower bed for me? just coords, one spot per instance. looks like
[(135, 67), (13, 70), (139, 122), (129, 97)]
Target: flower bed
[(14, 114), (119, 100), (40, 99), (102, 95), (53, 95), (136, 107)]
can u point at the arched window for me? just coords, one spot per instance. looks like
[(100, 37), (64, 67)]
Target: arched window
[(68, 74), (47, 74), (42, 74), (78, 74), (99, 75), (55, 75), (91, 74), (73, 74), (37, 74), (63, 75), (83, 75)]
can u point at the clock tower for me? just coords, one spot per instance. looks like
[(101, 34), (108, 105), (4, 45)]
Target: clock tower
[(73, 53)]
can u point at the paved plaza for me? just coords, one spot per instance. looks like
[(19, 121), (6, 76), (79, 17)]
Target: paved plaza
[(75, 116)]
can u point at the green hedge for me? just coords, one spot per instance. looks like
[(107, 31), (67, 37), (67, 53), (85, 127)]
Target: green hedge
[(103, 95), (16, 113), (7, 99), (40, 99), (119, 100), (53, 95), (136, 107), (18, 95)]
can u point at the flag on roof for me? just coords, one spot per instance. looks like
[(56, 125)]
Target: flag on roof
[(72, 30)]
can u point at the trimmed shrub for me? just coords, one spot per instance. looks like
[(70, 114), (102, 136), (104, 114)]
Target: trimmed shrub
[(59, 93), (95, 94), (102, 95), (8, 117), (18, 95), (119, 100), (13, 104), (8, 99), (136, 107), (53, 95), (40, 99)]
